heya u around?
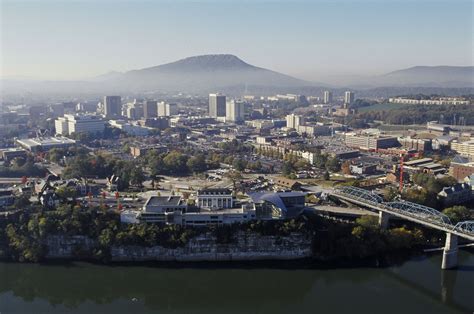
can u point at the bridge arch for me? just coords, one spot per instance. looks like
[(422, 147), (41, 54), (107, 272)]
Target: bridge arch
[(359, 194), (419, 211), (465, 226)]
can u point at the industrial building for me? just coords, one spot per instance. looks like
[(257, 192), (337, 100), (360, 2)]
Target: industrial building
[(42, 144)]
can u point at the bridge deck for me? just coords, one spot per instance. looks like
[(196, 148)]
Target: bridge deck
[(426, 220)]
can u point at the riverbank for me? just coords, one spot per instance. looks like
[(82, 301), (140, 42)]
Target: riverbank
[(246, 246), (78, 234)]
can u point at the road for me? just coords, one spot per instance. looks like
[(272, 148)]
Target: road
[(343, 211)]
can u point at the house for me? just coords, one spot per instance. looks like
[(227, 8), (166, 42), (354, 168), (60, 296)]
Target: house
[(49, 199), (287, 183), (470, 180), (457, 194), (363, 168), (461, 167), (7, 198)]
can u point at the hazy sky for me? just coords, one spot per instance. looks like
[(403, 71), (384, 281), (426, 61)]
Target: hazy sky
[(308, 39)]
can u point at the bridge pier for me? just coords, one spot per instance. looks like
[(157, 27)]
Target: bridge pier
[(450, 252), (383, 220)]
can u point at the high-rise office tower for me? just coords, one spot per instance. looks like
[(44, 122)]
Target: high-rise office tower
[(235, 111), (171, 109), (167, 110), (217, 105), (327, 97), (112, 106), (293, 121), (150, 109), (348, 98)]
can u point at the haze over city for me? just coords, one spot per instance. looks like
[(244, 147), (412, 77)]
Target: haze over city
[(236, 156), (312, 40)]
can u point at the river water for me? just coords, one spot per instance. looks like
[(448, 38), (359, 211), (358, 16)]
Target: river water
[(416, 286)]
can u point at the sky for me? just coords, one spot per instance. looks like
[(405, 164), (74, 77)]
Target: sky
[(311, 40)]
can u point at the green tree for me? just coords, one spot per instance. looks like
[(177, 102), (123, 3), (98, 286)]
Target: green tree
[(333, 164), (457, 213), (326, 176), (66, 192), (239, 164), (197, 163), (137, 177), (175, 163)]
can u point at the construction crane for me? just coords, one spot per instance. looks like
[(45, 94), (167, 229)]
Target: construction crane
[(402, 157)]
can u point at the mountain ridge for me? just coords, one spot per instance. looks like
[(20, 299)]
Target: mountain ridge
[(228, 73), (203, 72)]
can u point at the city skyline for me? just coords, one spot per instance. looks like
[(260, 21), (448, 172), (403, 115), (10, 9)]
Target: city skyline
[(310, 40)]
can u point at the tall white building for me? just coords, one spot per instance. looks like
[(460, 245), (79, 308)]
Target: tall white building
[(327, 97), (349, 97), (293, 121), (167, 110), (69, 124), (235, 111)]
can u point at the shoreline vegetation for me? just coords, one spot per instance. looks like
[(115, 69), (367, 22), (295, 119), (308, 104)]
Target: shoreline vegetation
[(24, 238)]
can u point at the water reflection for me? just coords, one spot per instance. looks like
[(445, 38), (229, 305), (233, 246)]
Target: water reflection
[(119, 288)]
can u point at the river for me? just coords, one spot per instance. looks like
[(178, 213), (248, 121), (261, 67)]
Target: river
[(416, 286)]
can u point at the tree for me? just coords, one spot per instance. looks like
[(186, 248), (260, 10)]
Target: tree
[(302, 164), (326, 176), (66, 192), (287, 168), (137, 176), (234, 176), (333, 164), (239, 164), (346, 167), (390, 193), (457, 213), (175, 163), (21, 202), (368, 222), (197, 163)]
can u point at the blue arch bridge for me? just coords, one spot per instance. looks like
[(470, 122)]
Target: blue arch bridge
[(420, 214)]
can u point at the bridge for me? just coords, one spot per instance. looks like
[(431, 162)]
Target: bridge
[(417, 213)]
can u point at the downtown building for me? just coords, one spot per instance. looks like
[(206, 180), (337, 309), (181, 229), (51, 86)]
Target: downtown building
[(150, 109), (327, 97), (217, 105), (349, 97), (167, 110), (69, 124), (235, 111), (112, 106), (293, 121)]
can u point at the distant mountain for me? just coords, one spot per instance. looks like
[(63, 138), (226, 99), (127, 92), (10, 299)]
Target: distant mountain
[(207, 72), (228, 74), (432, 76), (107, 76)]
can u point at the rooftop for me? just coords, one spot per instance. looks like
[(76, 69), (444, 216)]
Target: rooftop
[(39, 141), (218, 191), (164, 201)]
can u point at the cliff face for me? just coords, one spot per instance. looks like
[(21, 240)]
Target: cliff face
[(245, 247)]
